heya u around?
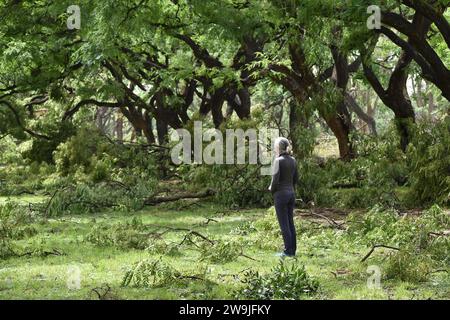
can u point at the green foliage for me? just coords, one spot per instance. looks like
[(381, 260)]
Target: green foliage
[(422, 247), (368, 180), (93, 198), (94, 174), (129, 235), (90, 156), (388, 227), (439, 249), (150, 273), (161, 246), (42, 149), (39, 247), (81, 151), (286, 281), (13, 226), (410, 267), (17, 174), (237, 185), (429, 161), (82, 199), (268, 231), (9, 122), (375, 226), (8, 152), (244, 229), (221, 251), (268, 222), (313, 184)]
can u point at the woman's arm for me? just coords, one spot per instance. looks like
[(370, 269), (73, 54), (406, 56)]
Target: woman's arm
[(275, 176), (295, 180)]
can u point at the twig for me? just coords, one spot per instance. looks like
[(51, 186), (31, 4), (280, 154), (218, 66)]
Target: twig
[(101, 296), (191, 277), (330, 221), (375, 247), (195, 233), (51, 199), (208, 220), (158, 200), (189, 205), (248, 257), (26, 192), (436, 271), (439, 234), (120, 184), (54, 252)]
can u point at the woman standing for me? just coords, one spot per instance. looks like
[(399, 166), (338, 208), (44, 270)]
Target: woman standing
[(284, 178)]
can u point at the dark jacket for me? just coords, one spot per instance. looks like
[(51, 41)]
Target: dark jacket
[(285, 174)]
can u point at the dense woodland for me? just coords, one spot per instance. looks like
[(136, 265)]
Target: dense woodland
[(87, 115)]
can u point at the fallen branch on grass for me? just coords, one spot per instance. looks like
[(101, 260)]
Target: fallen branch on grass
[(437, 271), (248, 257), (54, 252), (445, 233), (26, 192), (207, 221), (186, 195), (193, 203), (47, 207), (181, 277), (329, 220), (375, 247), (345, 185), (92, 204), (101, 295), (187, 237), (172, 229)]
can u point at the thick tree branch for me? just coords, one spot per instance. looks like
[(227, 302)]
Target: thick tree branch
[(433, 15), (200, 53), (20, 124), (70, 113)]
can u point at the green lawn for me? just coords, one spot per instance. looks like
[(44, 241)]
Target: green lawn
[(326, 252)]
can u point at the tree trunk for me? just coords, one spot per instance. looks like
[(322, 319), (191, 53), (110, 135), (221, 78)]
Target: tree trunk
[(163, 132), (140, 121), (119, 127), (341, 130), (340, 122), (396, 96), (365, 117)]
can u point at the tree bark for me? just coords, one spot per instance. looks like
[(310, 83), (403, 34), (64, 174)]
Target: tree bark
[(119, 127), (417, 46), (186, 195), (340, 122), (366, 117), (396, 96)]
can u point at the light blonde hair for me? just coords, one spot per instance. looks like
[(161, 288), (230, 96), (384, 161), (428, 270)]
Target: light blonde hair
[(282, 145)]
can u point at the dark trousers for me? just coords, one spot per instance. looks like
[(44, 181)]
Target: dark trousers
[(284, 206)]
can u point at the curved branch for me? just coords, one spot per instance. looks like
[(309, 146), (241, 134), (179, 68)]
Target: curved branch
[(19, 122), (352, 68), (354, 106), (430, 12), (416, 40), (199, 52), (70, 113)]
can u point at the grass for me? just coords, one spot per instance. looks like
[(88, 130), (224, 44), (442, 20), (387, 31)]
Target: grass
[(25, 199), (327, 254)]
